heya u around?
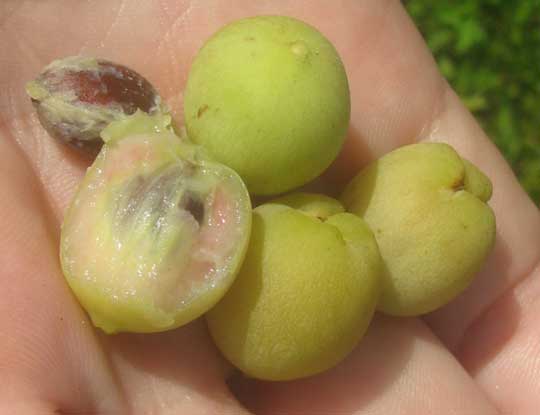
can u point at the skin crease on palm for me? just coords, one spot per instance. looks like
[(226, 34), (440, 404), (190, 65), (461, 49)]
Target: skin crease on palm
[(478, 355)]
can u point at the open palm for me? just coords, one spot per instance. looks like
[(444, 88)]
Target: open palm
[(478, 355)]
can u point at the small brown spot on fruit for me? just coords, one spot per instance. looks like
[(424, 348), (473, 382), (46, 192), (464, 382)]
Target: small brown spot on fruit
[(459, 184), (202, 110)]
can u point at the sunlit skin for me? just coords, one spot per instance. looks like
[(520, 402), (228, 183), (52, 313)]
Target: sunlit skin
[(477, 355)]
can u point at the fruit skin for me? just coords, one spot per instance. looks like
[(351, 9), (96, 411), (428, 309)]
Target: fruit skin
[(427, 208), (77, 97), (269, 97), (304, 296), (316, 205), (154, 235)]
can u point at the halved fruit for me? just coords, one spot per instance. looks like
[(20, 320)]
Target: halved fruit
[(156, 233)]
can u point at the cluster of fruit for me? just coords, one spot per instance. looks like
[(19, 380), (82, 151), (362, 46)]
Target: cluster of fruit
[(162, 231)]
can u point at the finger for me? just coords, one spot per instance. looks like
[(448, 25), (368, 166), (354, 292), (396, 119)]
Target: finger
[(504, 348), (48, 351), (175, 372), (492, 326), (399, 368)]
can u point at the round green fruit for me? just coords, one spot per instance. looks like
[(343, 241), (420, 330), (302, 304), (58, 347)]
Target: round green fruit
[(269, 97), (155, 234), (305, 294), (427, 208)]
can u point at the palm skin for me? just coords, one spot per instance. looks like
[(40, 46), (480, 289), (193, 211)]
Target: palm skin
[(478, 355)]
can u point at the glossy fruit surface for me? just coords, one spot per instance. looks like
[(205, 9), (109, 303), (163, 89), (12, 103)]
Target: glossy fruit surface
[(154, 235)]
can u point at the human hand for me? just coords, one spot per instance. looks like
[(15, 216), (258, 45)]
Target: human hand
[(478, 355)]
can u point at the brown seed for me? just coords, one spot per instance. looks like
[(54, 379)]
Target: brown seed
[(76, 97)]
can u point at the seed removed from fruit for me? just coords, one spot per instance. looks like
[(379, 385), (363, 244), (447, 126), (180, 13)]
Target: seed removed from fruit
[(269, 97), (428, 210), (77, 97), (305, 293), (155, 234)]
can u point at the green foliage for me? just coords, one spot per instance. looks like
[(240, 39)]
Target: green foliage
[(489, 50)]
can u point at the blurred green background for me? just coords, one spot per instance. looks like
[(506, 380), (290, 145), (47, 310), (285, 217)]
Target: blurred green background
[(489, 50)]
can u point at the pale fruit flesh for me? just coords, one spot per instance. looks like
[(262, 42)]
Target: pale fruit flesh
[(304, 297), (427, 208), (154, 235)]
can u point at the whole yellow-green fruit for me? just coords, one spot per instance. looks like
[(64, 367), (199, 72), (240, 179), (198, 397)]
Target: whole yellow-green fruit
[(305, 294), (268, 96), (427, 208)]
